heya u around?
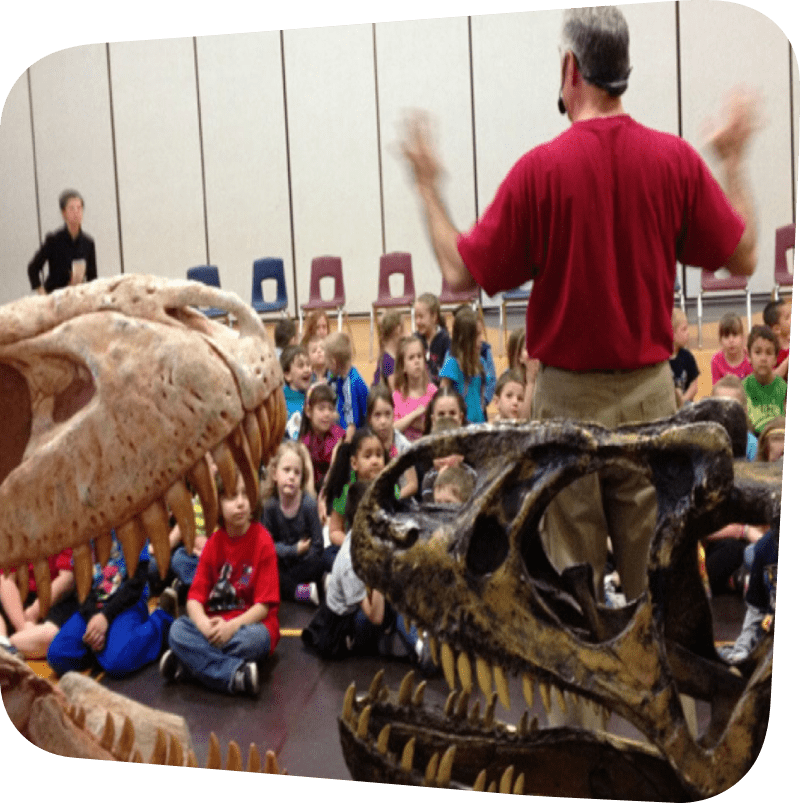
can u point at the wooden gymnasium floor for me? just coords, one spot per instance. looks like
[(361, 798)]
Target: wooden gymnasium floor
[(301, 695)]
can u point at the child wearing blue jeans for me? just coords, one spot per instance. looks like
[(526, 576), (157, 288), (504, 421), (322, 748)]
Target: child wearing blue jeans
[(232, 605)]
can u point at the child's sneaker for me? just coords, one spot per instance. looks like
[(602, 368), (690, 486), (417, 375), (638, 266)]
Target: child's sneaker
[(168, 601), (170, 667), (245, 680), (307, 592)]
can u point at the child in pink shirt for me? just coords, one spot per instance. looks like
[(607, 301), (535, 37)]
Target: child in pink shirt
[(732, 358), (413, 387)]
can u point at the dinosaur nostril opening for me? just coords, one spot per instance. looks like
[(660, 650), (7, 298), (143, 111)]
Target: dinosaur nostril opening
[(15, 403), (488, 546)]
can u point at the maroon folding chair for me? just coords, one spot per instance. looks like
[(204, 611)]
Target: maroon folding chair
[(396, 263), (784, 240), (726, 286)]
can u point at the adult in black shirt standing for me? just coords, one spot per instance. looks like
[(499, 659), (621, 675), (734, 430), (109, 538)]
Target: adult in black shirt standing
[(69, 252)]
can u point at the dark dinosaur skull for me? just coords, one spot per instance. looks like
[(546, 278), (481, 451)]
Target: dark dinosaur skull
[(112, 393), (489, 598)]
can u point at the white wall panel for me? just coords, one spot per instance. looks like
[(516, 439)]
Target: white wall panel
[(333, 151), (723, 45), (244, 150), (19, 233), (158, 152), (424, 65), (72, 129)]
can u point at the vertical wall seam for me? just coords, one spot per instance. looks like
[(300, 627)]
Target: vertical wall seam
[(202, 153), (678, 80), (114, 157), (378, 121), (289, 178), (472, 115), (791, 135), (35, 165)]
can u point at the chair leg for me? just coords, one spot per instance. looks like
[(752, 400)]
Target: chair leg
[(504, 337), (371, 331), (339, 318), (700, 320), (749, 311), (413, 321)]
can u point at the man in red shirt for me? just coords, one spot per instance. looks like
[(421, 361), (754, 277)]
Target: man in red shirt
[(598, 218)]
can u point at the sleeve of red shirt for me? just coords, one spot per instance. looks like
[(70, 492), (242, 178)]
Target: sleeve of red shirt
[(497, 250), (713, 227)]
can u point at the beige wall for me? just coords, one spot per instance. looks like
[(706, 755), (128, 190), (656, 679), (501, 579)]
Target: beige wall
[(232, 147)]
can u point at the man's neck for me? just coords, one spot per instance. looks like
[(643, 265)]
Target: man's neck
[(74, 234), (593, 103)]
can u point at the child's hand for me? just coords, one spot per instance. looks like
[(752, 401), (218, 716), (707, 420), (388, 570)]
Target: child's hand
[(199, 543), (303, 546), (215, 631), (227, 631), (95, 635)]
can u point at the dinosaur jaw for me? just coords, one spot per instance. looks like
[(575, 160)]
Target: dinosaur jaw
[(102, 437), (480, 584)]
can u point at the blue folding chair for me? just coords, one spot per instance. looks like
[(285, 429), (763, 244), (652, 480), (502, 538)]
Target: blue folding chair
[(207, 274), (269, 269)]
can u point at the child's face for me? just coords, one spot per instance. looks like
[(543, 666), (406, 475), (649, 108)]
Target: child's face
[(446, 495), (732, 345), (509, 402), (316, 354), (381, 421), (289, 475), (414, 360), (236, 510), (775, 446), (424, 319), (322, 415), (368, 461), (321, 328), (447, 407), (680, 333), (762, 358), (298, 377), (784, 320)]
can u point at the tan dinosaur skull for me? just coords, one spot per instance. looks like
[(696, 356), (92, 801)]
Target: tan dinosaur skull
[(112, 394)]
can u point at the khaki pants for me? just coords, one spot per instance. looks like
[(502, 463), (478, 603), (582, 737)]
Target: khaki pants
[(613, 503)]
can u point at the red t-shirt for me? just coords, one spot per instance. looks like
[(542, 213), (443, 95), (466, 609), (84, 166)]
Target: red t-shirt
[(598, 218), (233, 574), (55, 564)]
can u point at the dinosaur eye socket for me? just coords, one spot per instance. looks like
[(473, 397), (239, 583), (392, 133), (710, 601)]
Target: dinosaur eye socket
[(15, 404), (74, 397), (488, 546)]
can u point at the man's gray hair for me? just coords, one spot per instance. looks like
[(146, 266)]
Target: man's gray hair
[(599, 39)]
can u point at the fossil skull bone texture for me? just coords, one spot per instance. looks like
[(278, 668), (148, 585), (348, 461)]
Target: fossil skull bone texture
[(112, 394), (478, 582)]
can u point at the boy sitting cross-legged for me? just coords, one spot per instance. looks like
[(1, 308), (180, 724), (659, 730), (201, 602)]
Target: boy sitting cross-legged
[(766, 392)]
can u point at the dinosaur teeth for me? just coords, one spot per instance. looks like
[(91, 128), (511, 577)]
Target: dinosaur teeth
[(480, 782), (406, 687), (431, 769), (271, 763), (253, 760), (528, 689), (446, 766), (448, 665), (179, 501), (484, 675), (155, 522), (465, 672), (226, 466), (434, 650), (131, 537), (253, 434), (544, 693), (363, 722), (382, 744), (175, 755), (558, 694), (492, 787), (202, 482), (41, 573), (107, 737), (376, 685), (407, 760), (450, 703), (505, 780), (461, 705), (501, 683), (214, 755), (475, 713), (21, 578), (83, 568), (522, 727), (349, 699), (419, 693), (519, 785), (159, 754), (126, 740), (534, 724), (102, 547), (234, 760), (264, 430), (240, 451)]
